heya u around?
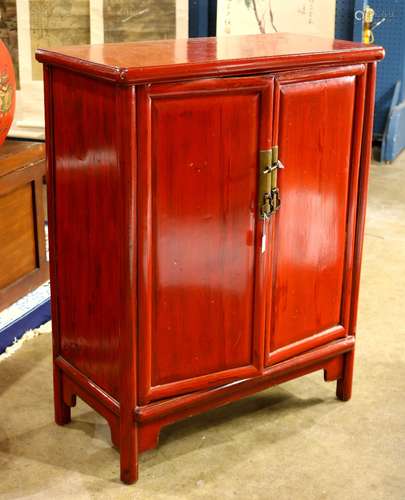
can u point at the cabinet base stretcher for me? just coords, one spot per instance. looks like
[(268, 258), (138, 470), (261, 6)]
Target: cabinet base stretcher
[(335, 359)]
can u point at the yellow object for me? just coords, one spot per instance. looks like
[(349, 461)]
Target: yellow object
[(368, 36)]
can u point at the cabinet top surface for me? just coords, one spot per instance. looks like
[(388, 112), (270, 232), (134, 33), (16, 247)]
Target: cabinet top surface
[(167, 59)]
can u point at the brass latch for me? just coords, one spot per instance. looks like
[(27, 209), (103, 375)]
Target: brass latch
[(269, 195)]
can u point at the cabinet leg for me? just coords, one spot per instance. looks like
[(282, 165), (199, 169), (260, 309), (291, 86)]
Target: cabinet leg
[(62, 410), (128, 452), (344, 384)]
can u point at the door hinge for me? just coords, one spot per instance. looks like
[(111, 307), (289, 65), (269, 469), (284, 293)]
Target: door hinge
[(269, 195)]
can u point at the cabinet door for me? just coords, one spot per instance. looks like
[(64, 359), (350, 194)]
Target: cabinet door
[(318, 128), (201, 286)]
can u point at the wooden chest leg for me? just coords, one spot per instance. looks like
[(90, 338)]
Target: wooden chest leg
[(62, 410), (344, 384)]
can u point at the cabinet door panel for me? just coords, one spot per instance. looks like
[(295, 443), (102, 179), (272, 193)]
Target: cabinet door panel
[(199, 270), (319, 126)]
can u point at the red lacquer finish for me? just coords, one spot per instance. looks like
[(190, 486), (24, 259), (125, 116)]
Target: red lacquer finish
[(198, 191), (141, 62), (311, 232), (86, 239), (170, 294)]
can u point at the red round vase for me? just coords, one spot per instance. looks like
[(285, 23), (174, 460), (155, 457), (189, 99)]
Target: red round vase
[(7, 92)]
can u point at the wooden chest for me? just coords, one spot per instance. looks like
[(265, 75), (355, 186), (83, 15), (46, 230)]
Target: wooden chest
[(23, 264), (206, 209)]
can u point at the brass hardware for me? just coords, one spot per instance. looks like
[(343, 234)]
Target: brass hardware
[(266, 161), (269, 198), (368, 35)]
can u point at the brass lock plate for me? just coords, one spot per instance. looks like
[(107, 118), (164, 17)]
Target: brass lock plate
[(269, 196)]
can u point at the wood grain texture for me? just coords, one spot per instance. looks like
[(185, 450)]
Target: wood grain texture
[(128, 347), (15, 155), (161, 60), (199, 233), (365, 159), (86, 195), (344, 385), (17, 235), (23, 265), (156, 415), (301, 363), (319, 147), (61, 409)]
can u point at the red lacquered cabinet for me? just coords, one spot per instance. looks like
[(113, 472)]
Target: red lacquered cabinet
[(206, 208)]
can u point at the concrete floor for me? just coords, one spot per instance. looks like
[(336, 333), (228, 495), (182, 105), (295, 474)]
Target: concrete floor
[(292, 442)]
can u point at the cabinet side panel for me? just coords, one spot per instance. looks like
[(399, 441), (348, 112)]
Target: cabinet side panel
[(363, 189), (86, 240)]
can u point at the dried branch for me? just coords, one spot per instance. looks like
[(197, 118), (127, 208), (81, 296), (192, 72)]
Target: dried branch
[(271, 16), (259, 21)]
